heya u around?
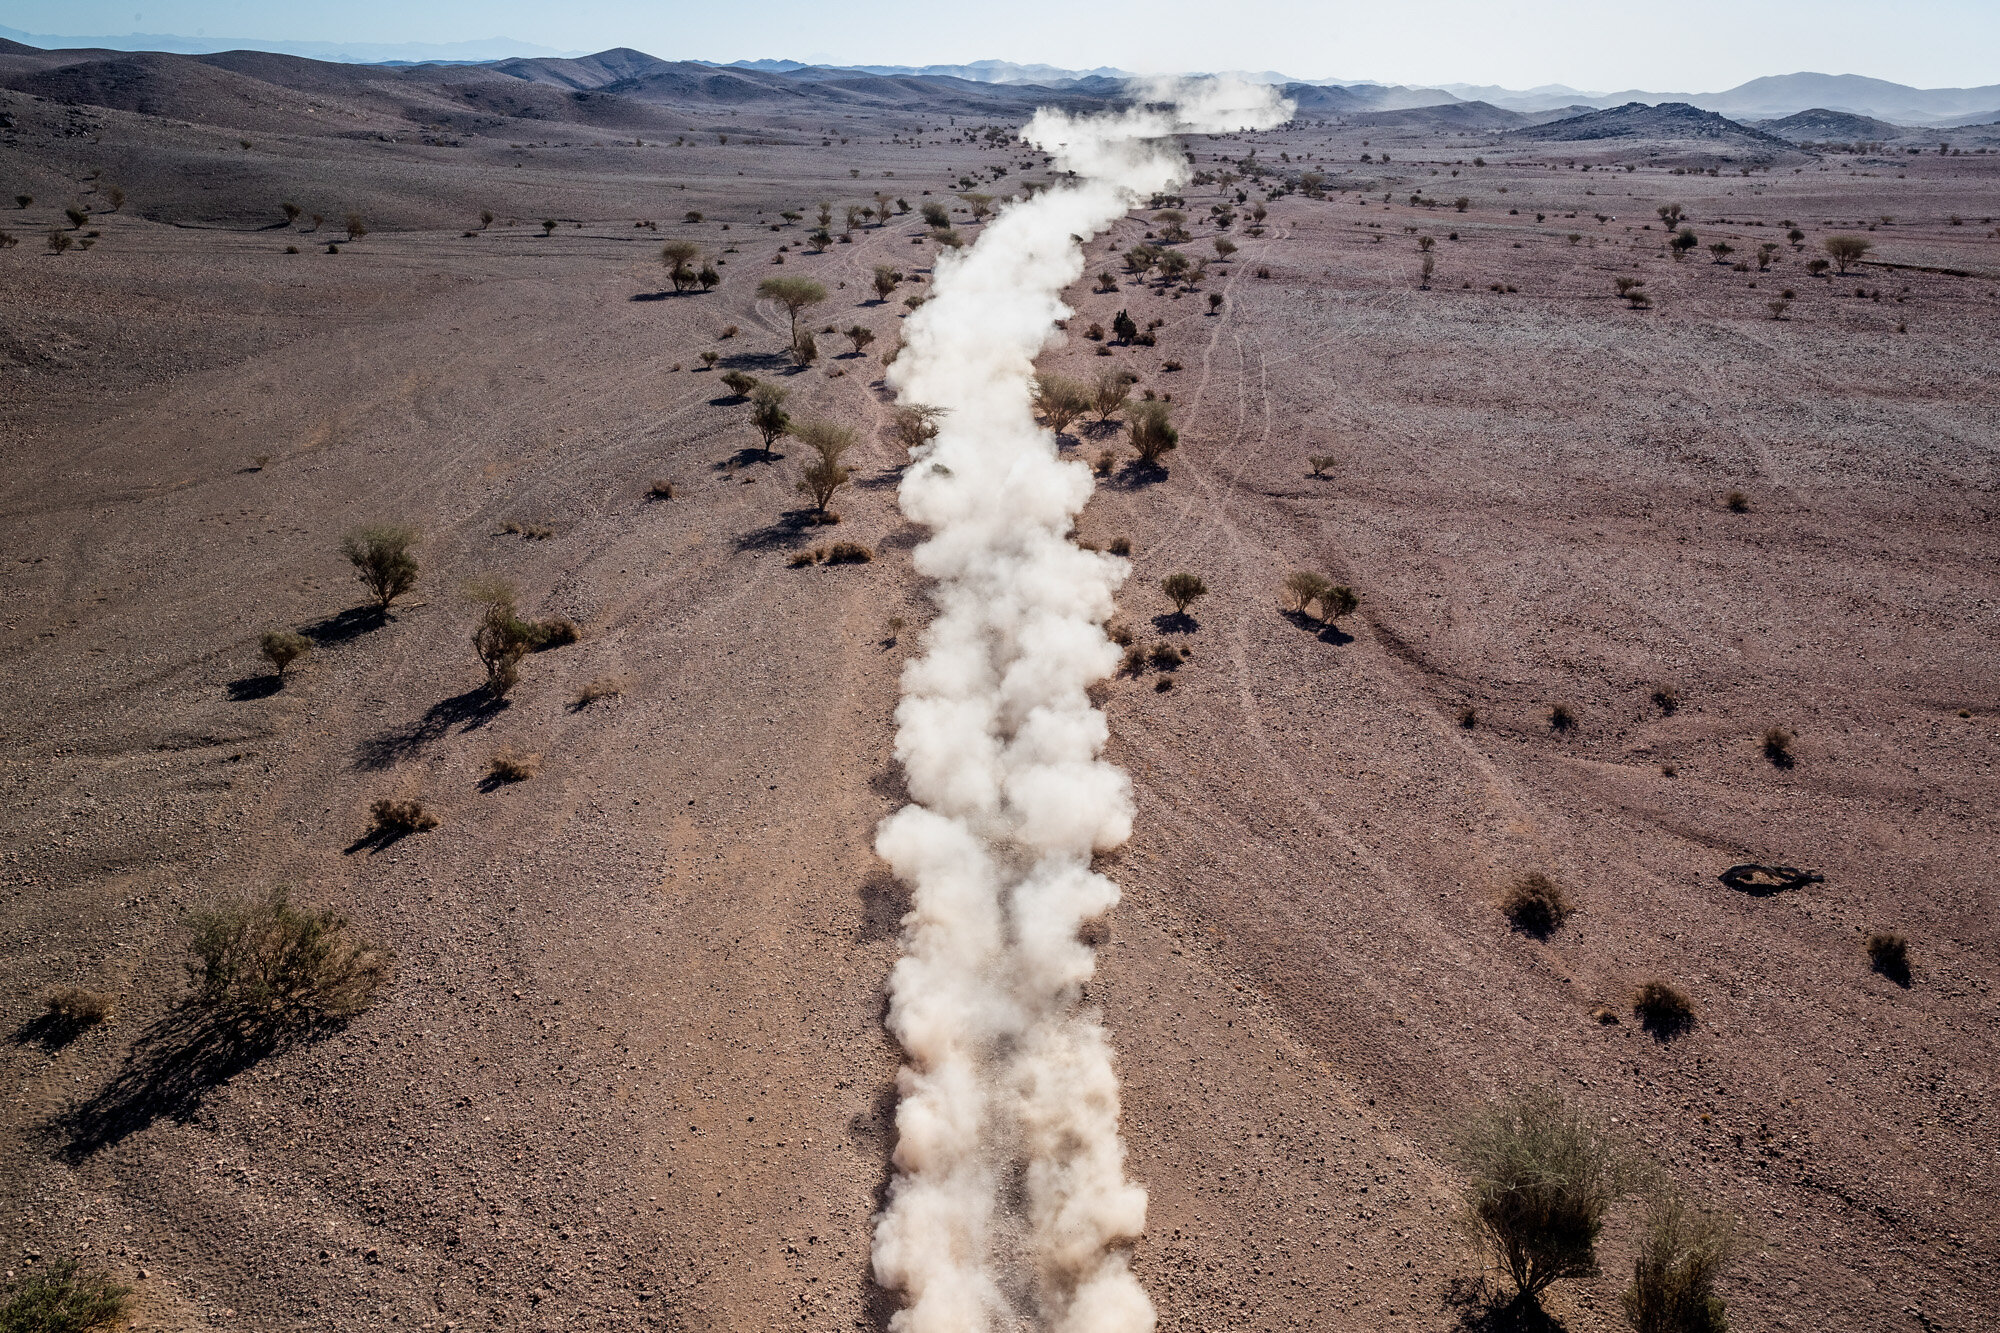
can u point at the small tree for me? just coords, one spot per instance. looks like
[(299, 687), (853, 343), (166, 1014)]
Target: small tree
[(860, 335), (485, 218), (708, 277), (825, 214), (77, 217), (886, 279), (1153, 433), (282, 647), (1683, 241), (794, 294), (59, 240), (1061, 400), (1303, 587), (679, 257), (883, 204), (823, 475), (1670, 214), (1183, 590), (936, 215), (739, 383), (805, 348), (382, 561), (1224, 247), (1722, 250), (262, 960), (1845, 250), (1123, 327), (852, 221), (548, 226), (356, 228), (916, 424), (767, 413), (1681, 1254), (1337, 601), (980, 204), (1541, 1176), (821, 238), (1107, 394)]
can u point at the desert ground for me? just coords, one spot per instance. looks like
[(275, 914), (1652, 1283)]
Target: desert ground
[(631, 1072)]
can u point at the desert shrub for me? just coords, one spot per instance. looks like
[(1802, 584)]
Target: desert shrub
[(679, 257), (282, 647), (1107, 394), (708, 277), (1183, 590), (62, 1297), (1165, 656), (1153, 434), (77, 217), (8, 240), (1106, 460), (1777, 744), (860, 335), (1736, 502), (824, 474), (1338, 600), (555, 632), (767, 412), (1683, 241), (1119, 633), (1889, 954), (848, 553), (916, 424), (1163, 684), (1133, 661), (935, 215), (382, 561), (1667, 699), (885, 279), (1681, 1253), (261, 957), (802, 559), (709, 356), (604, 687), (511, 765), (1319, 463), (661, 489), (355, 227), (1536, 904), (76, 1008), (59, 240), (1120, 546), (738, 383), (1061, 400), (1263, 272), (1303, 587), (292, 211), (23, 200), (1541, 1177), (805, 348), (795, 295), (1845, 250), (1663, 1010), (1468, 717), (1561, 718)]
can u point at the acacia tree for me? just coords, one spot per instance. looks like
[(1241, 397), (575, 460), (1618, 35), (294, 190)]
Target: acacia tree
[(1845, 250), (860, 335), (823, 475), (1062, 400), (679, 257), (380, 554), (886, 279), (1183, 590), (1107, 393), (883, 203), (794, 294), (767, 413), (853, 218)]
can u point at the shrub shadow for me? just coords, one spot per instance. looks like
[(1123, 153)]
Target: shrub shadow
[(172, 1068), (744, 457), (345, 625), (1761, 881), (1484, 1308), (1136, 473), (248, 688), (1176, 622), (757, 361), (469, 711), (51, 1031), (791, 528), (651, 296)]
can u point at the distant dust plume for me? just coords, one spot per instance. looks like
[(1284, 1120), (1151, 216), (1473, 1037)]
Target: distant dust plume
[(1010, 1209)]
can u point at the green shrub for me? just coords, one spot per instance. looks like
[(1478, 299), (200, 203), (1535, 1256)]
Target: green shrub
[(1681, 1254), (1303, 587), (394, 819), (64, 1297), (739, 383), (282, 647), (767, 413), (1153, 433), (382, 561), (824, 474), (264, 958), (1541, 1177), (1183, 590)]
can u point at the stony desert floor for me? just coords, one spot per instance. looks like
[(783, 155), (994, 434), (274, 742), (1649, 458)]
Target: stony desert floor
[(631, 1071)]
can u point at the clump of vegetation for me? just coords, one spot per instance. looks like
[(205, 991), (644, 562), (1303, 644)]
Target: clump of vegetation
[(1183, 590), (382, 561), (1107, 394), (511, 765), (1153, 433), (1165, 656), (604, 687), (886, 279), (679, 257), (62, 1297), (1061, 399), (1468, 717), (1120, 546), (1663, 1010), (76, 1008), (1561, 718), (1736, 502), (767, 413), (848, 553), (661, 489), (282, 647), (1541, 1178), (1777, 744), (1889, 954), (1845, 250), (356, 228), (1681, 1254), (824, 474), (59, 241), (1536, 905), (795, 295), (738, 383), (261, 958), (1667, 699), (1320, 463)]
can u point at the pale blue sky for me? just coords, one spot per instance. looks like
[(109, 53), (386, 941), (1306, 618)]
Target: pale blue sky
[(1663, 45)]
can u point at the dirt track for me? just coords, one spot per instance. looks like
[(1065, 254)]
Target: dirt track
[(632, 1074)]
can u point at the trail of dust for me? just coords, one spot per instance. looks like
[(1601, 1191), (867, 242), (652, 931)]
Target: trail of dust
[(1010, 1208)]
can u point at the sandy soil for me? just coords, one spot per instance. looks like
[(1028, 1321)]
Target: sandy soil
[(631, 1072)]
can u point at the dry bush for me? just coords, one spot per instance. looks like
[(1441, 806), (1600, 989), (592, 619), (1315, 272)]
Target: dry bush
[(1540, 1178), (1120, 546), (916, 424), (1736, 502), (661, 489), (1132, 662), (1153, 433), (1681, 1254), (1337, 601), (75, 1007), (59, 241), (1107, 393), (1183, 590), (1663, 1010), (356, 228), (604, 687), (382, 561), (262, 958), (1107, 459), (848, 553), (1468, 717), (1165, 656), (1777, 743), (824, 475), (62, 1297), (739, 383), (1536, 905), (1561, 718), (1319, 463), (803, 559), (1119, 633), (393, 819), (1889, 954), (282, 647), (1667, 699), (1061, 399), (511, 765)]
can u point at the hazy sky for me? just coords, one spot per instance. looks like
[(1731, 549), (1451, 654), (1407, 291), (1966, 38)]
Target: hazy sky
[(1662, 45)]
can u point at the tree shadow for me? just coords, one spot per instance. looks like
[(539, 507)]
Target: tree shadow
[(652, 296), (884, 903), (1484, 1308), (172, 1068), (345, 625), (469, 711), (1136, 473), (248, 688), (1761, 881), (758, 361), (748, 454), (1175, 622), (792, 526)]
